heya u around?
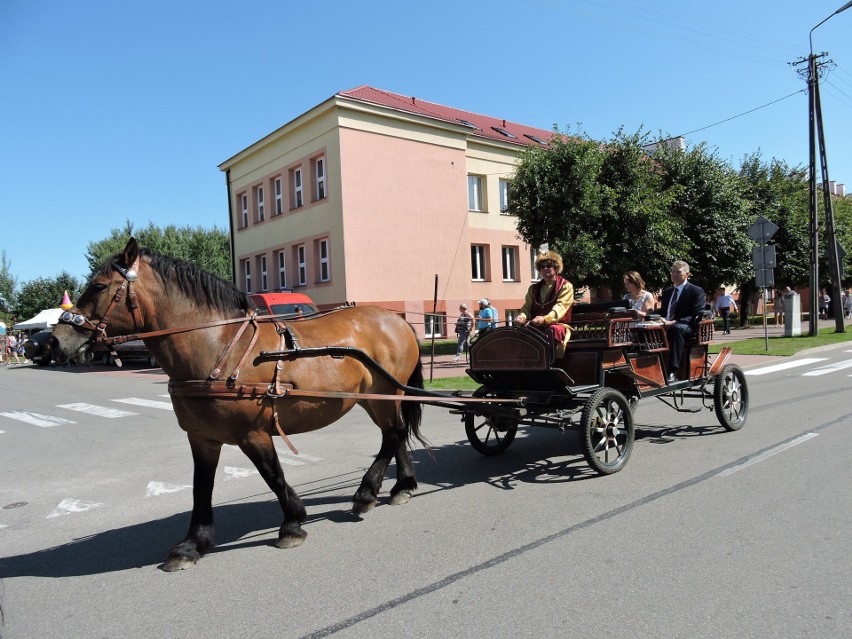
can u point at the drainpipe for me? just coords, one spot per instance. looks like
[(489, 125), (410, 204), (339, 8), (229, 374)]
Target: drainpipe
[(231, 226)]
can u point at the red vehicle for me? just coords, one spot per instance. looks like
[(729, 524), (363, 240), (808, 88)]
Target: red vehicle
[(287, 304)]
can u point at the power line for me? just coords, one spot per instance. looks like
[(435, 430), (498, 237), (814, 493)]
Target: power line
[(739, 115)]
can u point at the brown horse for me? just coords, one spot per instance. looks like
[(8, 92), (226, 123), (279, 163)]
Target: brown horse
[(199, 326)]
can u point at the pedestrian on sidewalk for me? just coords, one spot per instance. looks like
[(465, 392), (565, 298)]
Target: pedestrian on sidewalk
[(464, 324), (724, 304), (779, 308)]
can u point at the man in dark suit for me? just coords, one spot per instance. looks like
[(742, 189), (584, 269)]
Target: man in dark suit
[(679, 306)]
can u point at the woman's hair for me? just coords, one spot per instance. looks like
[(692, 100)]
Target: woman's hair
[(634, 278)]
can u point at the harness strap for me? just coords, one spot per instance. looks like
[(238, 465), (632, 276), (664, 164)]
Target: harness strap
[(217, 369)]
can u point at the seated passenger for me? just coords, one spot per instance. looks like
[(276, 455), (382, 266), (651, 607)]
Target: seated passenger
[(680, 304), (548, 302), (640, 300)]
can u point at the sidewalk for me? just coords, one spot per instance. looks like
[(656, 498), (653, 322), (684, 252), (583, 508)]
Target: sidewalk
[(445, 367)]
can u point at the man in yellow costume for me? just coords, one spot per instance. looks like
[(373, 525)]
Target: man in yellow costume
[(548, 302)]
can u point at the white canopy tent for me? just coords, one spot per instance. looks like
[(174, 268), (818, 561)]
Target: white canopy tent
[(45, 319)]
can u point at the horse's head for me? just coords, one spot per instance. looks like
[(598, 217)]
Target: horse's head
[(109, 307)]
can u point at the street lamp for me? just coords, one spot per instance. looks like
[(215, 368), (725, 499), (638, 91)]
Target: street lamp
[(815, 123)]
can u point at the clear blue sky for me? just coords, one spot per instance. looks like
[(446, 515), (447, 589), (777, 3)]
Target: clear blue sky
[(115, 111)]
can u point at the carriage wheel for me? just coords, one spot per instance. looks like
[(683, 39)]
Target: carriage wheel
[(730, 397), (489, 434), (608, 431)]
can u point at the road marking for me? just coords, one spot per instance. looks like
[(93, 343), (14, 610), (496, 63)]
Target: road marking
[(150, 403), (68, 506), (238, 473), (284, 460), (37, 419), (768, 453), (157, 488), (780, 367), (830, 368), (98, 411)]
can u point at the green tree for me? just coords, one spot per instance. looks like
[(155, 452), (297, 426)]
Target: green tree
[(8, 285), (208, 248), (42, 293), (706, 196)]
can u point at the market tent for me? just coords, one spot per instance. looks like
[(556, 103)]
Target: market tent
[(45, 319)]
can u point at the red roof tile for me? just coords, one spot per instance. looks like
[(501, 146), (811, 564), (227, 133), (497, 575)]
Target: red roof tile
[(486, 126)]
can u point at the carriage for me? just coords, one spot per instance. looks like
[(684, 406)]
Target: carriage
[(238, 378), (612, 361)]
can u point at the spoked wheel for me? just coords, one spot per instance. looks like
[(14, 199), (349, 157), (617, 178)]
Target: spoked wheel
[(489, 434), (730, 397), (608, 431)]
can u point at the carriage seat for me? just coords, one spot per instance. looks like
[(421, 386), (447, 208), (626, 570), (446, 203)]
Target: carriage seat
[(600, 325)]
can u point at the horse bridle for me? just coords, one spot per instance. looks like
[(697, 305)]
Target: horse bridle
[(98, 330)]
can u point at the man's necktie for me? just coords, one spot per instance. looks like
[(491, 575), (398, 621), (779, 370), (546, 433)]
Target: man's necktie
[(673, 303)]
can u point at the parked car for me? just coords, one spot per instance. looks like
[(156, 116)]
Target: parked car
[(286, 303), (132, 350), (39, 347)]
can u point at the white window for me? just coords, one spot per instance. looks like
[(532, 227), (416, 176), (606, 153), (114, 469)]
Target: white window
[(511, 315), (320, 175), (282, 271), (510, 263), (297, 188), (247, 274), (243, 210), (435, 325), (477, 263), (279, 197), (301, 265), (504, 197), (474, 193), (264, 281), (324, 261), (261, 209)]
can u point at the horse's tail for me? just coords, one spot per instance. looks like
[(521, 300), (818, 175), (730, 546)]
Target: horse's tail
[(412, 412)]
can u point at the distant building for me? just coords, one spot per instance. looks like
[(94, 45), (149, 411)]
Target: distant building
[(369, 195)]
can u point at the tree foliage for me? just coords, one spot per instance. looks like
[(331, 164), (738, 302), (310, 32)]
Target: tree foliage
[(8, 284), (45, 292), (208, 248)]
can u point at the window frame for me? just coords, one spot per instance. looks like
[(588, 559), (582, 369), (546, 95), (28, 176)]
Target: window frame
[(298, 188), (430, 323), (243, 198), (262, 273), (282, 270), (278, 191), (504, 196), (247, 274), (320, 169), (475, 193), (324, 260), (478, 262), (301, 265), (509, 261), (260, 204)]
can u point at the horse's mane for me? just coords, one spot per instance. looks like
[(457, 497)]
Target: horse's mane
[(200, 286)]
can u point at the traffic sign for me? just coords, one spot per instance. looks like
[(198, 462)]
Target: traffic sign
[(762, 230), (764, 278), (763, 257)]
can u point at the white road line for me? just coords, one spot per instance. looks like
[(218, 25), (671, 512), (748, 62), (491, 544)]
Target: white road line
[(238, 473), (150, 403), (68, 506), (288, 461), (780, 367), (157, 488), (769, 453), (299, 456), (37, 419), (97, 411), (830, 368)]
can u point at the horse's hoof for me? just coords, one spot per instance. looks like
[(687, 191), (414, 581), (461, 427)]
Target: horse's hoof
[(173, 564), (359, 508), (402, 497), (291, 541)]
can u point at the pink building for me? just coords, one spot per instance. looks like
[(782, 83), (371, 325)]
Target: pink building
[(370, 195)]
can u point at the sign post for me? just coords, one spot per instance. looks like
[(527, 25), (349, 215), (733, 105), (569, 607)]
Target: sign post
[(763, 259)]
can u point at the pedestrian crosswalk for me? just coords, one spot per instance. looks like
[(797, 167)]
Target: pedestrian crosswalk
[(804, 367)]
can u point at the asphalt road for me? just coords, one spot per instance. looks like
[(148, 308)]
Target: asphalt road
[(703, 534)]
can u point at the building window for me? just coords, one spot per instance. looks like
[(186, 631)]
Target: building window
[(279, 196), (319, 170), (282, 271), (243, 198), (474, 193), (504, 197), (510, 263), (324, 261), (258, 198), (511, 315), (296, 184), (247, 275), (477, 263), (436, 325), (261, 270), (301, 265)]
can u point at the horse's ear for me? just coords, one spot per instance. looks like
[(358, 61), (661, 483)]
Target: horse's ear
[(131, 252)]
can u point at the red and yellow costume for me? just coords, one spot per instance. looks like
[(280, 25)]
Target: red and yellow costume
[(553, 301)]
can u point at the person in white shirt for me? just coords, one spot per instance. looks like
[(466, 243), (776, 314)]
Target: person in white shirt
[(724, 305)]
